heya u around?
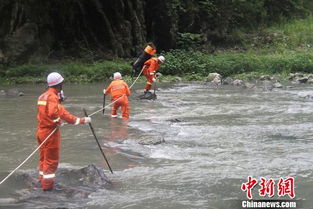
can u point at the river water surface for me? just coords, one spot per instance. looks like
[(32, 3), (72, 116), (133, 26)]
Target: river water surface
[(215, 137)]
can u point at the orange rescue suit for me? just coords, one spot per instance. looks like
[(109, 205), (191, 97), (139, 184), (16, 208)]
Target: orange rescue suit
[(119, 92), (50, 114), (150, 68)]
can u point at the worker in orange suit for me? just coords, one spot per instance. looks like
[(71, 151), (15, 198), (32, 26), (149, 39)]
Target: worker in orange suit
[(50, 115), (150, 68), (119, 91)]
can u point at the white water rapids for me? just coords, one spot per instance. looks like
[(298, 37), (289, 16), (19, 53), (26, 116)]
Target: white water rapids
[(215, 137)]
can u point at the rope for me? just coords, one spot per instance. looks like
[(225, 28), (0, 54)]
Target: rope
[(119, 97), (10, 174), (28, 156)]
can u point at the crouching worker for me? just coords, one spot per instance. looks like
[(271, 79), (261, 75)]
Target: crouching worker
[(150, 68), (50, 115), (119, 93)]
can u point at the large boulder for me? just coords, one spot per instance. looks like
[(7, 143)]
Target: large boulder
[(212, 76), (215, 78)]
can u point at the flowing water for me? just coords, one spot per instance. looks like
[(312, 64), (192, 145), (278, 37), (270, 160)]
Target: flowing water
[(215, 137)]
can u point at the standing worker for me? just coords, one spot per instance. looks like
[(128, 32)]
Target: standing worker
[(50, 114), (150, 68), (119, 92), (148, 52)]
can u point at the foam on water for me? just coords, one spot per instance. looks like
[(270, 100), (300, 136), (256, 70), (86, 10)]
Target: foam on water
[(214, 138)]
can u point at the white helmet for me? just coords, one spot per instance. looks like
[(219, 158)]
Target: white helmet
[(54, 79), (117, 75), (161, 59)]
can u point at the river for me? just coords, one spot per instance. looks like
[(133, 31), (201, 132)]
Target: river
[(215, 137)]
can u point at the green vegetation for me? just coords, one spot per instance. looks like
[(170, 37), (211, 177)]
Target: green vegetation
[(280, 49), (229, 64), (76, 72)]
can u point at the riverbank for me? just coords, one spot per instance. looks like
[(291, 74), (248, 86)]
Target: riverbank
[(277, 50), (187, 65)]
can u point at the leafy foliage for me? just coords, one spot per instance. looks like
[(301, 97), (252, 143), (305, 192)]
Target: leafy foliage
[(228, 64)]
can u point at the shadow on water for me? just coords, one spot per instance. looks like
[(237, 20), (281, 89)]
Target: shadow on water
[(72, 189)]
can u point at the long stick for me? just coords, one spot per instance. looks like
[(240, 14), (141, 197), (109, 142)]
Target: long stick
[(103, 106), (94, 134), (105, 84)]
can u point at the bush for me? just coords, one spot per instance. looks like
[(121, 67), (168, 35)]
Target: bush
[(181, 62), (72, 71)]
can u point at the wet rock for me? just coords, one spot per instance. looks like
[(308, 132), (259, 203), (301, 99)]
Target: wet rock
[(277, 85), (151, 140), (310, 81), (267, 86), (72, 186), (178, 79), (237, 82), (294, 76), (14, 92), (302, 79), (175, 120), (227, 81), (11, 92), (148, 95), (90, 176), (265, 77), (2, 93), (249, 85)]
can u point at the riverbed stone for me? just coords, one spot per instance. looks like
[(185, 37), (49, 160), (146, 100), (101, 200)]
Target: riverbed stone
[(213, 76), (217, 81), (14, 92), (2, 93), (249, 85), (303, 79), (310, 81), (267, 85), (151, 140), (227, 81), (277, 85), (238, 82), (265, 77)]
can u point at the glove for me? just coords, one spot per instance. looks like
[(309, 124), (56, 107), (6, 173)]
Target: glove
[(104, 91), (87, 120), (154, 79)]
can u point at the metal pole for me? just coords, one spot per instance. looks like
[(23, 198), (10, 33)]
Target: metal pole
[(94, 134)]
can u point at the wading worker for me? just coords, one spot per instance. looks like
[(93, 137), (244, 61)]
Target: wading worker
[(50, 114), (150, 68), (119, 94)]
